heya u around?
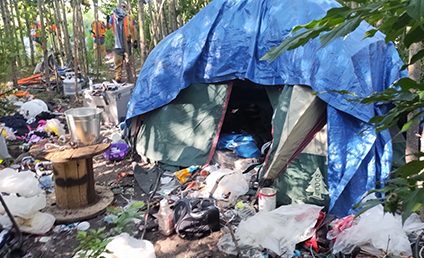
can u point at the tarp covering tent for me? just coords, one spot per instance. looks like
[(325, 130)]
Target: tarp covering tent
[(190, 75)]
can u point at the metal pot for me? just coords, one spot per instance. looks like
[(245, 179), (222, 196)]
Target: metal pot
[(84, 125)]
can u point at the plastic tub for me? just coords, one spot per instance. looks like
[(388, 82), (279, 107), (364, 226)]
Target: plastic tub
[(84, 125), (117, 151)]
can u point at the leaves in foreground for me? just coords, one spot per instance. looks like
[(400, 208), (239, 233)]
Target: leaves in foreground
[(92, 244)]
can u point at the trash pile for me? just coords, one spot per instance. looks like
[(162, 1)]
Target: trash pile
[(24, 198), (194, 202), (32, 122)]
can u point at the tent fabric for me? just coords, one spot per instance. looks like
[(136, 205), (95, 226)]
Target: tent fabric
[(183, 132), (305, 179), (303, 113), (226, 40)]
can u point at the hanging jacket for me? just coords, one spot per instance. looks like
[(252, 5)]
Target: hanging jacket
[(98, 28), (127, 20)]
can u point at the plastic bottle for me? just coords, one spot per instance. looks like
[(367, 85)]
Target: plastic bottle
[(165, 218)]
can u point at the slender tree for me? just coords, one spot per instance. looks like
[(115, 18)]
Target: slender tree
[(76, 55), (53, 46), (21, 34), (412, 139), (83, 45), (164, 22), (172, 16), (132, 67), (153, 28), (67, 47), (158, 25), (31, 42), (58, 21), (141, 21), (96, 30), (44, 40), (17, 46), (8, 38)]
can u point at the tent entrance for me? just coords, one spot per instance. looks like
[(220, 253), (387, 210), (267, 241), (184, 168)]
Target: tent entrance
[(249, 112)]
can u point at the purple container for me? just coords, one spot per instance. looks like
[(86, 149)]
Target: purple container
[(117, 151)]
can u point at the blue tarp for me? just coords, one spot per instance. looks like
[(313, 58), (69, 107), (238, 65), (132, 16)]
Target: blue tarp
[(227, 38)]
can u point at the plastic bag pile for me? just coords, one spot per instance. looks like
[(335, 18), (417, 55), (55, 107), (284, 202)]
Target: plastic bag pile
[(25, 199)]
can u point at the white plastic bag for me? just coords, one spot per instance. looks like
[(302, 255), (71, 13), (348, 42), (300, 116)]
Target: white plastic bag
[(233, 183), (126, 246), (40, 223), (226, 244), (413, 223), (22, 183), (55, 126), (279, 230), (24, 207), (32, 108), (375, 231)]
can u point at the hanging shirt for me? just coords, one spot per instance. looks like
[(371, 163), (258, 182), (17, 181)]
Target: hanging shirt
[(126, 28)]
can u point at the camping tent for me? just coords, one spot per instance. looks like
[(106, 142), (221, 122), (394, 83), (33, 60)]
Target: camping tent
[(184, 88)]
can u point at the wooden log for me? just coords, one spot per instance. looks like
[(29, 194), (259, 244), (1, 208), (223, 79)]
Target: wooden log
[(74, 183)]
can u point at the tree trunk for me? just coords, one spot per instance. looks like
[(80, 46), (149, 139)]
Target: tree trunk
[(164, 22), (7, 31), (82, 39), (141, 22), (44, 39), (17, 49), (412, 140), (83, 46), (49, 30), (133, 49), (21, 34), (58, 23), (180, 22), (57, 33), (52, 45), (2, 47), (99, 51), (153, 27), (158, 24), (76, 55), (68, 48), (172, 16), (31, 42)]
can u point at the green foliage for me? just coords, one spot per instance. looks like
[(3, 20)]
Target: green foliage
[(6, 107), (123, 218), (93, 244), (188, 9)]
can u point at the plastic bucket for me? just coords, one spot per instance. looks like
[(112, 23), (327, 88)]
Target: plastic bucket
[(267, 199), (84, 125)]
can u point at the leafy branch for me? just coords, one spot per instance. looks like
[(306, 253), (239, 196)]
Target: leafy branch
[(92, 245), (122, 218)]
